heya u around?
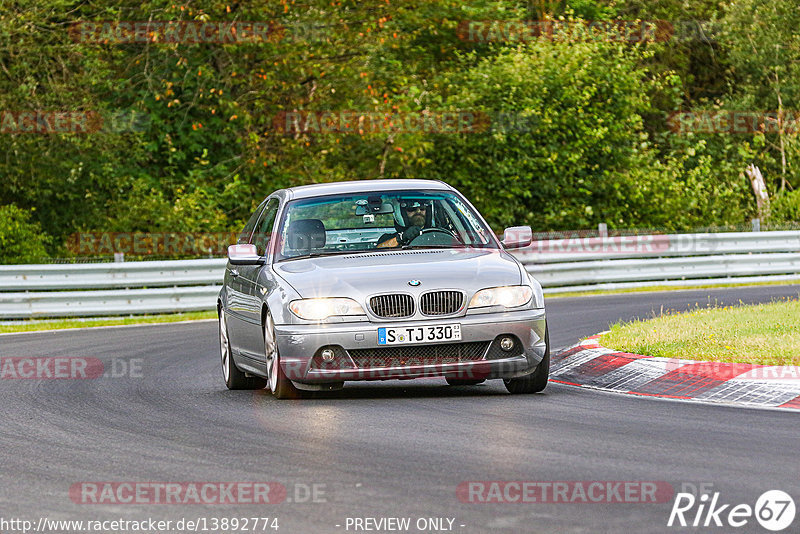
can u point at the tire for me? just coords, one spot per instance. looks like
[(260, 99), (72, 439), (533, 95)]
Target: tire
[(234, 378), (281, 387), (537, 380), (464, 381)]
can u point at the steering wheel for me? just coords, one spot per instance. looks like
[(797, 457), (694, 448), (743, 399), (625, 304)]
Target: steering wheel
[(430, 236)]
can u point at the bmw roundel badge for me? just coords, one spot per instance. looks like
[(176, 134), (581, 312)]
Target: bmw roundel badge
[(414, 283)]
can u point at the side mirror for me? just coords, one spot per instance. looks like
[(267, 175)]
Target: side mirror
[(244, 255), (517, 237)]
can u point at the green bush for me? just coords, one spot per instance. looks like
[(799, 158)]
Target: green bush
[(785, 208), (576, 152), (21, 241)]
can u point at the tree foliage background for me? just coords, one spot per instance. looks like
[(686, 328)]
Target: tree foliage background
[(591, 142)]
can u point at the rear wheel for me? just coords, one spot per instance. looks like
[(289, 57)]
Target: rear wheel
[(537, 380), (464, 381), (280, 386), (234, 378)]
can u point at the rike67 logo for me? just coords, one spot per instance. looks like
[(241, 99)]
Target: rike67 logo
[(774, 510)]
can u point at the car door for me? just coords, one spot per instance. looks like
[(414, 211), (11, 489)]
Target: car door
[(236, 291), (252, 339)]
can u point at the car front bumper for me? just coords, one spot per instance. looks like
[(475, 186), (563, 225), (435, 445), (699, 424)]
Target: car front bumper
[(299, 347)]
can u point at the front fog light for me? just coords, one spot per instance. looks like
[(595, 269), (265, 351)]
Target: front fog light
[(506, 344), (328, 355)]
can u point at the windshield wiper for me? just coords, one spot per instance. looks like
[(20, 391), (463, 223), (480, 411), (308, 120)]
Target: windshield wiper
[(320, 254), (408, 247)]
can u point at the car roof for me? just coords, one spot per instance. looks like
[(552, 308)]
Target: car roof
[(364, 186)]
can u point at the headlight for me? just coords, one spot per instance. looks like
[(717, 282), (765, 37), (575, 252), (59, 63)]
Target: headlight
[(319, 309), (508, 296)]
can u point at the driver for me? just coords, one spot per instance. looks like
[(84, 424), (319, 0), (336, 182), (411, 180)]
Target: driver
[(414, 215)]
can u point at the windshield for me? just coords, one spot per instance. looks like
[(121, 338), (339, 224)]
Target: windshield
[(364, 222)]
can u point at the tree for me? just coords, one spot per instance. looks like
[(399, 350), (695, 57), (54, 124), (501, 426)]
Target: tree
[(21, 241), (763, 42), (566, 148)]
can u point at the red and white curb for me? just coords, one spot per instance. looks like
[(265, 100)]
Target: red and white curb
[(588, 364)]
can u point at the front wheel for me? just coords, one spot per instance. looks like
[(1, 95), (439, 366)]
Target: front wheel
[(281, 387), (234, 378), (537, 380)]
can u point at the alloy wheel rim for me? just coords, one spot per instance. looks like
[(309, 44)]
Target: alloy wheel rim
[(224, 345), (271, 352)]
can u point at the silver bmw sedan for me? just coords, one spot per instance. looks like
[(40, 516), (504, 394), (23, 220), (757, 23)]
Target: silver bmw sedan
[(378, 280)]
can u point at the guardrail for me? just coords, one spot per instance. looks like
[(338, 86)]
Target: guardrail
[(111, 275), (561, 265), (577, 248), (115, 302)]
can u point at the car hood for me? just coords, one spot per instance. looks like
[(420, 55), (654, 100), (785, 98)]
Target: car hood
[(361, 275)]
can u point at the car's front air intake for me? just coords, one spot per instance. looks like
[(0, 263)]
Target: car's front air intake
[(441, 302), (433, 354), (392, 305)]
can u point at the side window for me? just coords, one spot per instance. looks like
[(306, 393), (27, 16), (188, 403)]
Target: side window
[(263, 234), (247, 231)]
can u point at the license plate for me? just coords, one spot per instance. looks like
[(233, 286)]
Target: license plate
[(419, 334)]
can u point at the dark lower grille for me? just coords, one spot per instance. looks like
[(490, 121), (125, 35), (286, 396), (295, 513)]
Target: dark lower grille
[(394, 305), (340, 361), (419, 355), (496, 353), (441, 302)]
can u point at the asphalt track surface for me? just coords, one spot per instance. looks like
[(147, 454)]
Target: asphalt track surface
[(380, 449)]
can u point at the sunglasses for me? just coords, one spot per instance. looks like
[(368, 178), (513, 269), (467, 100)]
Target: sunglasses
[(415, 206)]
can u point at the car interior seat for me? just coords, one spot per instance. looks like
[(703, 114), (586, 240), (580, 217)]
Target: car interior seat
[(305, 235)]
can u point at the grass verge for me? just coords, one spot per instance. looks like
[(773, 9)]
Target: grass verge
[(651, 289), (60, 324), (766, 334)]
